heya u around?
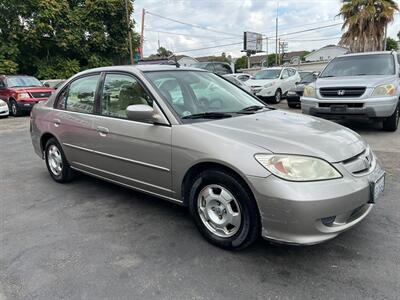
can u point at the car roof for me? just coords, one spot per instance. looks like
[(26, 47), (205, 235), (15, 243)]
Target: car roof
[(143, 68), (367, 53)]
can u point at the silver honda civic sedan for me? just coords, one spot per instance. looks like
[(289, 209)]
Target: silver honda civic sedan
[(242, 168)]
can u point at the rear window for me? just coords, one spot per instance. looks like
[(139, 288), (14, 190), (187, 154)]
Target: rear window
[(374, 64)]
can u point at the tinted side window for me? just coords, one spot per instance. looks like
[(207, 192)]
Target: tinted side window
[(119, 92), (285, 73), (2, 85), (80, 95)]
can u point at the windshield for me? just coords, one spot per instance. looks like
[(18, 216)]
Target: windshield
[(268, 74), (23, 81), (373, 64), (195, 92), (310, 77)]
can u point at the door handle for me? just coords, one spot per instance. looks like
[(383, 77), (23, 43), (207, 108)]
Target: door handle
[(103, 131), (57, 122)]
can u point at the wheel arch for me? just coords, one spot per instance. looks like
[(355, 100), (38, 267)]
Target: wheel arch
[(203, 166), (44, 138)]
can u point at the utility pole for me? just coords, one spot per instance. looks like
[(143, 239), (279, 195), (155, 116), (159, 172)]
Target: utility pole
[(266, 50), (385, 40), (129, 32), (279, 52), (276, 34), (142, 34)]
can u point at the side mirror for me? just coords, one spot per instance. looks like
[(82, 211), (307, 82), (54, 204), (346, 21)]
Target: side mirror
[(144, 113)]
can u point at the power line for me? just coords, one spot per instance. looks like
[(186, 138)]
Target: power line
[(311, 29), (187, 34), (189, 24)]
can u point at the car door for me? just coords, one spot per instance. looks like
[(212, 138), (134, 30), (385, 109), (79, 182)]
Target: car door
[(72, 120), (136, 154), (285, 81)]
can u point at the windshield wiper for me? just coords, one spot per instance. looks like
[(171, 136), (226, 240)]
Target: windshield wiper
[(208, 115), (250, 109)]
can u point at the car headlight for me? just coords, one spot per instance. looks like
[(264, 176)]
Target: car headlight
[(267, 85), (297, 167), (309, 91), (384, 90), (2, 103), (292, 93), (23, 95)]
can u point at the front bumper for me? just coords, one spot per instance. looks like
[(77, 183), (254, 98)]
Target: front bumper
[(27, 105), (265, 92), (380, 107), (296, 212)]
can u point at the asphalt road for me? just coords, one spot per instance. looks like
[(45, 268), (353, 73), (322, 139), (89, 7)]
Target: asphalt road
[(93, 240)]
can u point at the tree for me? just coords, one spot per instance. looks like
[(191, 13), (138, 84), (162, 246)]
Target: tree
[(241, 63), (163, 52), (57, 38), (391, 44), (365, 22)]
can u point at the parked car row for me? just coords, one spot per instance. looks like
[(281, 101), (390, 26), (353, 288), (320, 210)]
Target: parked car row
[(20, 93)]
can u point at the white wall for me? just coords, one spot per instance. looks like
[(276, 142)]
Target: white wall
[(327, 53), (186, 61)]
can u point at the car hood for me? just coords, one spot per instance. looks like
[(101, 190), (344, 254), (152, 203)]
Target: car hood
[(282, 132), (258, 82), (367, 81)]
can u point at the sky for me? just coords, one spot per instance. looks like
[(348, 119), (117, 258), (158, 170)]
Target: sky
[(226, 20)]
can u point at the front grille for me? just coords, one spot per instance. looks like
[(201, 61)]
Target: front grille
[(40, 94), (299, 93), (342, 92), (361, 163), (350, 105)]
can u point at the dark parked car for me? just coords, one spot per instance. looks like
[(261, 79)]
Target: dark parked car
[(219, 68), (21, 92), (293, 96)]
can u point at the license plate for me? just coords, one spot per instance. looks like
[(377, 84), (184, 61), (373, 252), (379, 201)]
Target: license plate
[(338, 108), (377, 188)]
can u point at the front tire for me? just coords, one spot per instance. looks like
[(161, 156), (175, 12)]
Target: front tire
[(292, 105), (392, 122), (56, 162), (278, 96), (224, 210), (14, 109)]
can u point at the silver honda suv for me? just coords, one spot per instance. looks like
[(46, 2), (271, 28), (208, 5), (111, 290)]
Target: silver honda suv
[(360, 85)]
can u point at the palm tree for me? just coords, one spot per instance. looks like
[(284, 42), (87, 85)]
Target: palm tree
[(365, 22)]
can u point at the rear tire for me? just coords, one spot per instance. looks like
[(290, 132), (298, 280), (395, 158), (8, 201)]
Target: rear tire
[(56, 162), (292, 105), (392, 122), (14, 109), (233, 224)]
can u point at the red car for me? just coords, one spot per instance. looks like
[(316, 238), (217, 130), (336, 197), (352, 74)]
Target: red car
[(22, 92)]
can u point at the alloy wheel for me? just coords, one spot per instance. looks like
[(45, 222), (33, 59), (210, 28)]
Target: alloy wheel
[(14, 109), (219, 211), (54, 160)]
